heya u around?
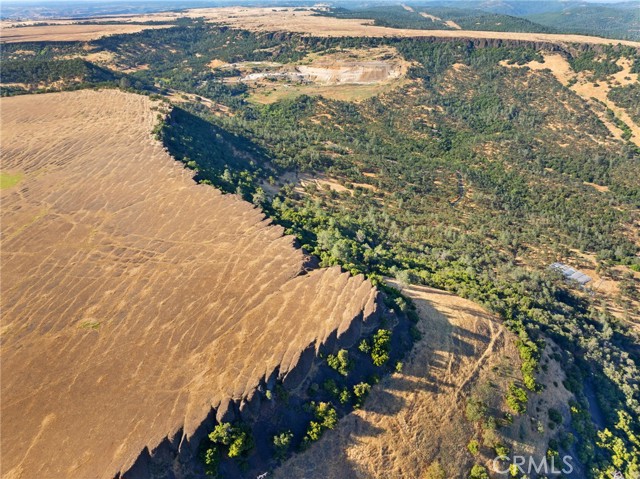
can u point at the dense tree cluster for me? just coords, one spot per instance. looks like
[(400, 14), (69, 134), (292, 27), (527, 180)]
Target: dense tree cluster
[(467, 19)]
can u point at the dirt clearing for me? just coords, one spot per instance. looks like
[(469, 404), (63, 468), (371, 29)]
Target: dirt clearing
[(346, 75), (133, 300)]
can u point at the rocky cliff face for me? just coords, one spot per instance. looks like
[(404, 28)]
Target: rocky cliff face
[(136, 302)]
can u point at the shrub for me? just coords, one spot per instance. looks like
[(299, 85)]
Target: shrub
[(435, 471), (326, 417), (281, 442), (281, 393), (530, 356), (413, 315), (490, 423), (478, 472), (476, 409), (501, 450), (567, 440), (331, 387), (555, 416), (211, 459), (237, 438), (241, 444), (415, 333), (406, 277), (517, 399), (473, 447), (222, 434), (381, 347), (361, 391), (313, 432), (400, 304), (340, 362)]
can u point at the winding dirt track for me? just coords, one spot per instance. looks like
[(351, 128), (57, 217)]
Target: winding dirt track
[(134, 300)]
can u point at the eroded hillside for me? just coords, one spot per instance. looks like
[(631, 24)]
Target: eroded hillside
[(134, 300)]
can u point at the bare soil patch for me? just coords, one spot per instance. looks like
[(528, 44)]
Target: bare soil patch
[(133, 300), (431, 17), (600, 188), (452, 24), (347, 75)]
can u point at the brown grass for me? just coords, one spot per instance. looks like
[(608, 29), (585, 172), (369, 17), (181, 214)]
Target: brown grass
[(134, 300), (67, 33), (271, 93)]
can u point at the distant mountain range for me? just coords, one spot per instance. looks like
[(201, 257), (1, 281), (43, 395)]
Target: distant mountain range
[(613, 20), (607, 19)]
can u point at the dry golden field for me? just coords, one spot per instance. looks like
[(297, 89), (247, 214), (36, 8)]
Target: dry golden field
[(133, 300), (67, 32)]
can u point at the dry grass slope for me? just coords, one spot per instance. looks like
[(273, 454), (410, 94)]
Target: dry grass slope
[(134, 300), (589, 89), (416, 417)]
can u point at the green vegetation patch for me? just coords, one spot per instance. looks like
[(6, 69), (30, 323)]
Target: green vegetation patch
[(7, 180), (627, 97), (325, 417), (34, 71)]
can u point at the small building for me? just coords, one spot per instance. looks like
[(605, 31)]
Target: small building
[(571, 274)]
